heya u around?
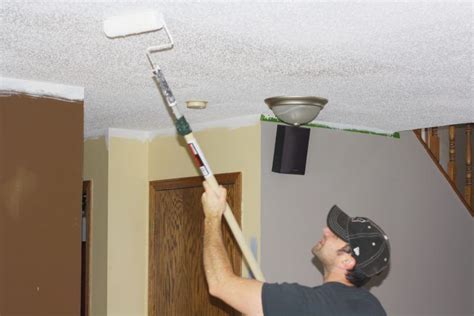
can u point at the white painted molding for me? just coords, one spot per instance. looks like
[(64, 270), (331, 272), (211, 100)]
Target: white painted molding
[(331, 125), (147, 136), (230, 123), (143, 136), (11, 86), (354, 127)]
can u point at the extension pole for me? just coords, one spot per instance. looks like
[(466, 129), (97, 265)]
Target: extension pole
[(184, 130)]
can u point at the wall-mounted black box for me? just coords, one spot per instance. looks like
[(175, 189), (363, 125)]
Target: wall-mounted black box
[(291, 149)]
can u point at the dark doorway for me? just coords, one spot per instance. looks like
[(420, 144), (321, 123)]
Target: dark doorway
[(85, 246)]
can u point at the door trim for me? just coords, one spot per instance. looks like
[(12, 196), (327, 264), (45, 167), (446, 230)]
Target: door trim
[(234, 179)]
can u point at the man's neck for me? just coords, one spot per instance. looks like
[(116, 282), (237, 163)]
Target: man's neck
[(336, 277)]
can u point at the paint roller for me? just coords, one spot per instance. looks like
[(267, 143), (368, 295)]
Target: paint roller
[(149, 21)]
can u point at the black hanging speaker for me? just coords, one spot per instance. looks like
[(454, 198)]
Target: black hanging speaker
[(291, 149)]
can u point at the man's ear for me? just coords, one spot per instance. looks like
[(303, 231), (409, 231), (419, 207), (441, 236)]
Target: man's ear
[(348, 262)]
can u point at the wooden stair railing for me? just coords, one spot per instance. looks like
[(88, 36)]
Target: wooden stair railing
[(430, 139)]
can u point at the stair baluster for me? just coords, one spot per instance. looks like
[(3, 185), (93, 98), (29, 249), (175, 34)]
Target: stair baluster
[(468, 187), (434, 142), (452, 153)]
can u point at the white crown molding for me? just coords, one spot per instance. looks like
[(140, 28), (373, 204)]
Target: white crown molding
[(147, 136), (11, 86)]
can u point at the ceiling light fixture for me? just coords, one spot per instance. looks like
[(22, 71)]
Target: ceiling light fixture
[(296, 110), (196, 104)]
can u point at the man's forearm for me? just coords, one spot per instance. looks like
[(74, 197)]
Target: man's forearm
[(242, 294), (217, 265)]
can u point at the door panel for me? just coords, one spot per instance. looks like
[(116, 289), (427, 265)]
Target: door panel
[(177, 280)]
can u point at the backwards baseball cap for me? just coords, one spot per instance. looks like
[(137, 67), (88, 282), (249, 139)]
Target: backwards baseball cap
[(370, 246)]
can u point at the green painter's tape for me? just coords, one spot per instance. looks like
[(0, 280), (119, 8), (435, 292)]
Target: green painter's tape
[(267, 118), (182, 126)]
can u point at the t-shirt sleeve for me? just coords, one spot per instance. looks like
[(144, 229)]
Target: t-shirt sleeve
[(283, 299)]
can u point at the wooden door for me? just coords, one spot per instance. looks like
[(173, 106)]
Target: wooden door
[(177, 284)]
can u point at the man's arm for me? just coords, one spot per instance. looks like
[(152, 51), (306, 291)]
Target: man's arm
[(242, 294)]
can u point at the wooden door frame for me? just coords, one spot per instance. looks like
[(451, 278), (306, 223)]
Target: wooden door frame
[(234, 179), (87, 187)]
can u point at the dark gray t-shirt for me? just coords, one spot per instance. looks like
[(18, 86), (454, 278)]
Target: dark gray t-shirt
[(331, 298)]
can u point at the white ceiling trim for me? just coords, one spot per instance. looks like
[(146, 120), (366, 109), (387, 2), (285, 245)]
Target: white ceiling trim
[(9, 86), (148, 136), (230, 123)]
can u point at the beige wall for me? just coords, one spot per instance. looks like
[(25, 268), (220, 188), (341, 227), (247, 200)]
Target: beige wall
[(127, 227), (131, 164), (96, 169), (226, 150)]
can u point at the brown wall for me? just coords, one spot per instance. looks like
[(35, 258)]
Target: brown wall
[(41, 149)]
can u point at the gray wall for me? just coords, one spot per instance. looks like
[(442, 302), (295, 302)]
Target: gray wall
[(395, 183)]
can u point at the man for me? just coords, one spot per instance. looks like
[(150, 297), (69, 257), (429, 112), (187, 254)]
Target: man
[(352, 250)]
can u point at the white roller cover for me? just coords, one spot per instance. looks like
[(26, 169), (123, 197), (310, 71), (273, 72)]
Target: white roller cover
[(135, 23)]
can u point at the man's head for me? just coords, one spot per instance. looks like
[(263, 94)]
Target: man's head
[(333, 252), (353, 244)]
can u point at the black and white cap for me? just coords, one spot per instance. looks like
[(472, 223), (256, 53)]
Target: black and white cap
[(370, 245)]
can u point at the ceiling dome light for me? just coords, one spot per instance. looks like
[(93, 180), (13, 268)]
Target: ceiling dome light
[(295, 110)]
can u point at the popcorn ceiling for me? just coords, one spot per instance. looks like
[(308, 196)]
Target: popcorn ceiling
[(383, 66)]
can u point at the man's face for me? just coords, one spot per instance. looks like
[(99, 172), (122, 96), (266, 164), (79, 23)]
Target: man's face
[(329, 247)]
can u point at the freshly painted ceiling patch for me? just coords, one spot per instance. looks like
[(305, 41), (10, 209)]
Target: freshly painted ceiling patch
[(9, 86), (343, 127)]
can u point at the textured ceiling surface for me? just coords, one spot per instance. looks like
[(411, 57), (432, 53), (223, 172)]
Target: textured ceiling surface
[(387, 66)]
